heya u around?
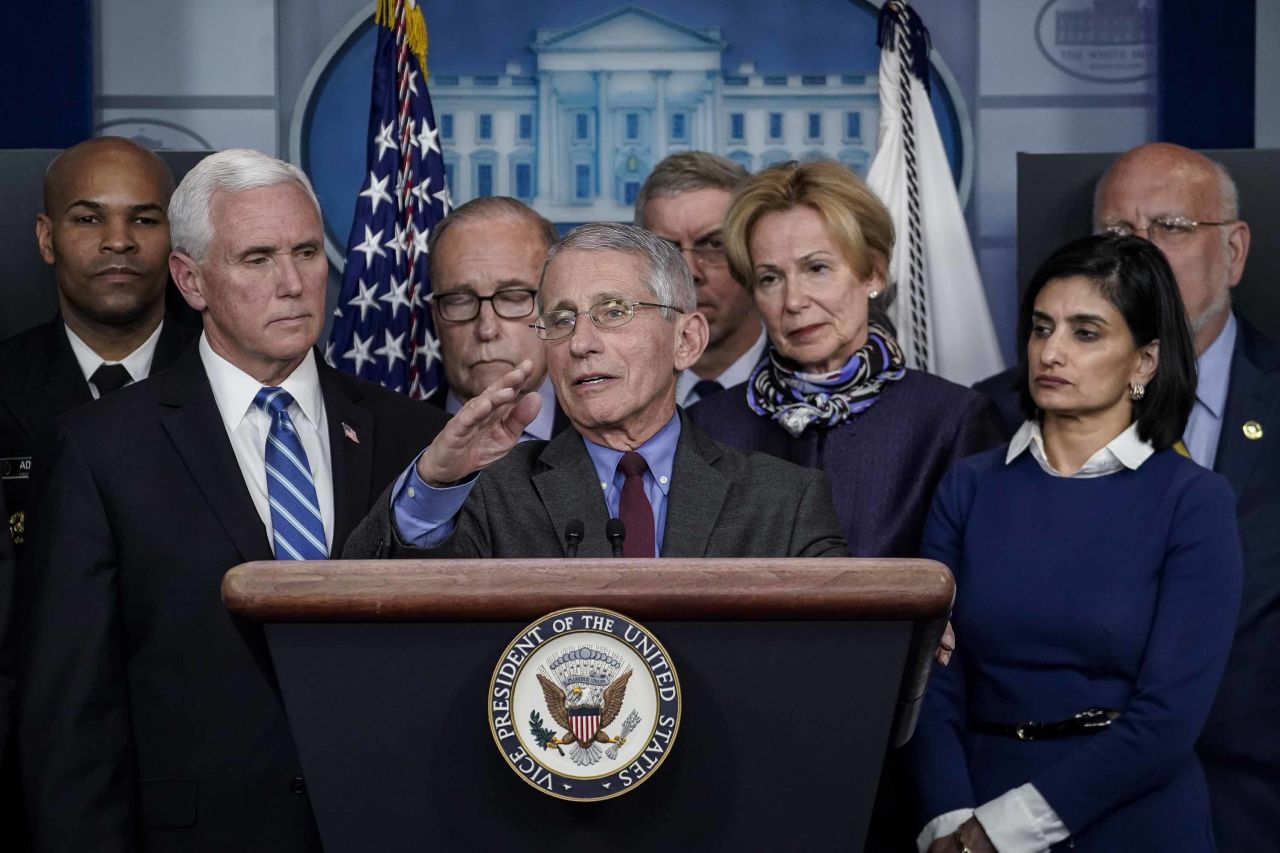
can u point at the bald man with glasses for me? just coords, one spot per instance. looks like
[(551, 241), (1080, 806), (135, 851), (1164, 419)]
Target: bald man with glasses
[(485, 260)]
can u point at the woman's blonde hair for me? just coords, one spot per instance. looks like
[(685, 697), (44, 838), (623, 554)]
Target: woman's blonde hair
[(858, 221)]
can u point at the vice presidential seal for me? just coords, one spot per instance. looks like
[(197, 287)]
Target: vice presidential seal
[(584, 704)]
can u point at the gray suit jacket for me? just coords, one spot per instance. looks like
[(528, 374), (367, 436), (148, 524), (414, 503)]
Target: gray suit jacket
[(722, 503)]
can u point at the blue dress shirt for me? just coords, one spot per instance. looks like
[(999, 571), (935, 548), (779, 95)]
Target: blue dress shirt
[(425, 514), (1213, 376)]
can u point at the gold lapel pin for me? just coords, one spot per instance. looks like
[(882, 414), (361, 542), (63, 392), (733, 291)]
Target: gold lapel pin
[(1252, 430)]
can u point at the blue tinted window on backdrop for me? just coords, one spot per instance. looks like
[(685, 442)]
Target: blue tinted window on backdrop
[(775, 125), (737, 126), (853, 125), (484, 179), (485, 128), (526, 126), (677, 126), (524, 180), (815, 125), (633, 125), (446, 125), (582, 181), (581, 130)]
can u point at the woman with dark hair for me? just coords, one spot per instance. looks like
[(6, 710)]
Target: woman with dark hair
[(1098, 577), (811, 242)]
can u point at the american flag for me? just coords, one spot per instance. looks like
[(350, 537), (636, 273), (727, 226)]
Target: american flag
[(382, 325)]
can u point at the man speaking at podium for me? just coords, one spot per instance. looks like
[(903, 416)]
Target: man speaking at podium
[(634, 477)]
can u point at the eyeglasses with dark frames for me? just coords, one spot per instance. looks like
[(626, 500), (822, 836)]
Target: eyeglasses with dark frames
[(605, 314), (461, 306), (1164, 230)]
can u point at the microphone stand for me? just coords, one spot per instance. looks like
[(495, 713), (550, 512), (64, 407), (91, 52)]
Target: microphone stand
[(616, 532)]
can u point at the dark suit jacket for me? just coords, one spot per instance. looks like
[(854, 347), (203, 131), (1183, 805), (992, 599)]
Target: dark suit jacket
[(1240, 745), (40, 379), (148, 715), (884, 464), (722, 503), (1003, 391)]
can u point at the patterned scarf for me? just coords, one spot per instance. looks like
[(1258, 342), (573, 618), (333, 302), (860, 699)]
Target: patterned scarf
[(779, 390)]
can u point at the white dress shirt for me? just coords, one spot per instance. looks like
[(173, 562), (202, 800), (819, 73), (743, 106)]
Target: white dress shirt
[(1021, 820), (734, 374), (138, 362), (247, 426)]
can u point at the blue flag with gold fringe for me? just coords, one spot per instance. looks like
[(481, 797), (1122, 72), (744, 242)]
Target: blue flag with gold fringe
[(382, 327)]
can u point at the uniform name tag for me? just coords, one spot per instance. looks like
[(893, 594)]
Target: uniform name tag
[(15, 467)]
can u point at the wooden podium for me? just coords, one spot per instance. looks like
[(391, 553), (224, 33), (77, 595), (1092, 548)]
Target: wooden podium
[(796, 676)]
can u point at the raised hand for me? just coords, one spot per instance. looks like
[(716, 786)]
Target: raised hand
[(482, 431)]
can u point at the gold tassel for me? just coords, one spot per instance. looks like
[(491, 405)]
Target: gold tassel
[(415, 28)]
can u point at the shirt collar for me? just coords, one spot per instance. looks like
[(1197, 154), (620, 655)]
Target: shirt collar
[(539, 427), (234, 390), (1213, 369), (138, 362), (659, 454), (734, 374), (1126, 450)]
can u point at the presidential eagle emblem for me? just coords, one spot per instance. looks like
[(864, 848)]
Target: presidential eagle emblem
[(584, 693), (584, 704)]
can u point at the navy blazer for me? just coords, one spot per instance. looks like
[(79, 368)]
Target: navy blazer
[(1240, 745), (884, 463)]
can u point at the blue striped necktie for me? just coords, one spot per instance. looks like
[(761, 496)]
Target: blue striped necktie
[(297, 528)]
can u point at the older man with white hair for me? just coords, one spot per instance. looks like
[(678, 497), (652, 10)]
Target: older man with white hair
[(617, 315), (149, 717)]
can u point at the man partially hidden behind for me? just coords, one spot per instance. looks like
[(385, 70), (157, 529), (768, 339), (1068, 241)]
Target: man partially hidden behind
[(149, 718), (618, 319), (485, 260), (684, 201), (105, 231)]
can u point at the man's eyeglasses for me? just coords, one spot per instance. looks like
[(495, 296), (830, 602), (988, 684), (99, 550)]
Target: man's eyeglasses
[(462, 306), (607, 314), (709, 250), (1165, 230)]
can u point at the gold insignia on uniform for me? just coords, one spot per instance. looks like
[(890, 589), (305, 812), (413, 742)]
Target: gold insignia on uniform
[(18, 527), (1252, 430)]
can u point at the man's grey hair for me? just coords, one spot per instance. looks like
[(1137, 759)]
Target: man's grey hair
[(667, 276), (687, 171), (1228, 194), (233, 170), (488, 208)]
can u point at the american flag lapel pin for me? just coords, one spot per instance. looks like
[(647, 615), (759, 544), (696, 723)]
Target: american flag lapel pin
[(350, 433)]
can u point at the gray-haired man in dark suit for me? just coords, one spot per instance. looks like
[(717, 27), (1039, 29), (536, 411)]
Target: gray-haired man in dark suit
[(617, 314)]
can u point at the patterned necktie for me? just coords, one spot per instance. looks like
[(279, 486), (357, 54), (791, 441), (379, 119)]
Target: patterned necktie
[(704, 388), (110, 377), (634, 508), (297, 528)]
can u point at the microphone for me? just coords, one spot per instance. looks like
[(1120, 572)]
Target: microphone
[(616, 532), (573, 533)]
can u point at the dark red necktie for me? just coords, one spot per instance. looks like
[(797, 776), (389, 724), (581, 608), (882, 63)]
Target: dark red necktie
[(634, 508)]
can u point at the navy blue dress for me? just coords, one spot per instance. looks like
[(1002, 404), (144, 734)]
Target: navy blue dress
[(1119, 592), (884, 463)]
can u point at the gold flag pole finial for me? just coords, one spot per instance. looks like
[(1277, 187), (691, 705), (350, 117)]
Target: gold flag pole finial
[(415, 26)]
